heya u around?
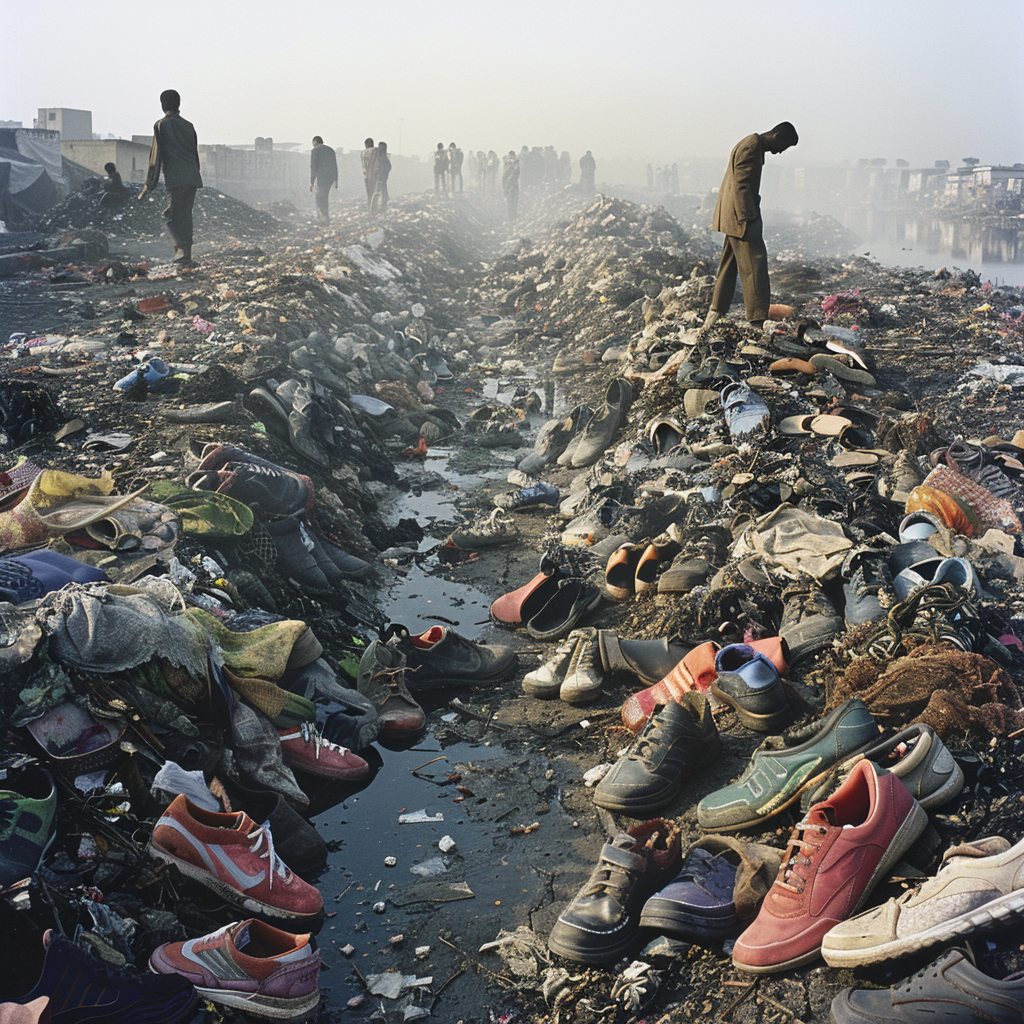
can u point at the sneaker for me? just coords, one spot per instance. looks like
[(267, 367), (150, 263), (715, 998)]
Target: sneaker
[(528, 497), (750, 684), (234, 857), (703, 550), (275, 490), (248, 965), (305, 749), (836, 856), (950, 989), (382, 679), (916, 756), (497, 528), (809, 620), (28, 802), (440, 657), (601, 922), (867, 587), (979, 884), (784, 766), (545, 682), (678, 741), (582, 682), (81, 987), (554, 437)]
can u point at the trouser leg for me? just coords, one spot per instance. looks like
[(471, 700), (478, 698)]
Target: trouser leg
[(725, 282), (322, 196), (178, 216), (752, 262)]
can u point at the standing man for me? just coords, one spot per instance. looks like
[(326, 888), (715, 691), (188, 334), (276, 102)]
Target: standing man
[(510, 185), (738, 215), (175, 151), (323, 174), (368, 156), (588, 168), (454, 166), (440, 169), (381, 170)]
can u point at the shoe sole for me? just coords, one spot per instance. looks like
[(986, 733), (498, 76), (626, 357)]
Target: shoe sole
[(906, 835), (811, 783), (262, 1006), (596, 956), (755, 723), (995, 912), (223, 890), (687, 926)]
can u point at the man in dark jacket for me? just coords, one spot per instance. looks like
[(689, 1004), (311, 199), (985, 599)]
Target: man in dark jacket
[(175, 151), (738, 215), (323, 173), (510, 186), (381, 170)]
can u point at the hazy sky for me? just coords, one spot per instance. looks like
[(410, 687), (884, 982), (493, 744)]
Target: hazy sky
[(656, 79)]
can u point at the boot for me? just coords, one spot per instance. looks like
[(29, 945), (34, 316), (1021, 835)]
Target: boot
[(648, 660)]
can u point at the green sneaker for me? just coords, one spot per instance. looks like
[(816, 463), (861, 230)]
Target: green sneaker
[(28, 801), (784, 766)]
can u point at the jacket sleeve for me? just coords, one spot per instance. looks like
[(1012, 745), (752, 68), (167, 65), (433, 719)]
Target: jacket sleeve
[(747, 180), (153, 174)]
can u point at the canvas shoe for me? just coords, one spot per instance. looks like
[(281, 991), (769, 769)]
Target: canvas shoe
[(601, 922), (234, 857), (784, 766), (978, 885), (582, 682), (836, 856), (497, 528), (247, 965), (545, 682), (949, 989), (305, 749)]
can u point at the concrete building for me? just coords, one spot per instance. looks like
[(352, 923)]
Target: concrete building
[(72, 124), (132, 158), (989, 181)]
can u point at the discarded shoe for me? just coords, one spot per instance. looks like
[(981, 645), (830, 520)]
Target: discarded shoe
[(33, 574), (528, 497), (497, 528), (439, 657), (745, 411), (678, 741), (750, 684), (519, 606), (582, 681), (28, 801), (784, 766), (599, 432), (809, 620), (553, 439), (702, 550), (620, 573), (570, 603), (545, 682), (836, 856), (867, 586), (249, 966), (234, 857), (382, 673), (304, 749), (950, 988), (647, 660), (154, 373), (601, 922), (979, 885)]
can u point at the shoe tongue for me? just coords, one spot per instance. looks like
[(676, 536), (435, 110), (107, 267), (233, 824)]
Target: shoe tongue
[(982, 848), (824, 815), (240, 935), (623, 841)]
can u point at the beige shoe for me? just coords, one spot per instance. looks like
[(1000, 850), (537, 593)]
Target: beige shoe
[(582, 682), (546, 681), (978, 885)]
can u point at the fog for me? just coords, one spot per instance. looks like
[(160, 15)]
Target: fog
[(633, 82)]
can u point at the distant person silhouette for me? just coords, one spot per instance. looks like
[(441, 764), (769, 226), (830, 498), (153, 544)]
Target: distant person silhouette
[(440, 169), (367, 157), (454, 167), (738, 215), (510, 186), (323, 176), (175, 151), (381, 170), (114, 191), (588, 168)]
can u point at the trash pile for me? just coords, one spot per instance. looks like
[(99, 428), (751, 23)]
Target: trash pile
[(760, 588)]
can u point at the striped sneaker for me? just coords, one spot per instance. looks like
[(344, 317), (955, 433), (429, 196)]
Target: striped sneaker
[(248, 965), (233, 856)]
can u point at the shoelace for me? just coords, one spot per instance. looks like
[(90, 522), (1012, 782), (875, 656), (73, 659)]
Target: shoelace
[(309, 732), (790, 878), (276, 865), (615, 881)]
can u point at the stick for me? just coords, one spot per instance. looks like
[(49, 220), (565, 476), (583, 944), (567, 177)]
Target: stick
[(780, 1006), (413, 771), (727, 1012), (477, 964)]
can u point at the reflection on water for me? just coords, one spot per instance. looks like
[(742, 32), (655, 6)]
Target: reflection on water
[(913, 240)]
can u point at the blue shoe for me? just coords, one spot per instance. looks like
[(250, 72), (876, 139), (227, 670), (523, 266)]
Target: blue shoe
[(154, 373), (749, 683), (35, 574), (528, 497), (745, 411)]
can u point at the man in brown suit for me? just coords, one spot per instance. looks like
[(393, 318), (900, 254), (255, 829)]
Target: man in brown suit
[(738, 215)]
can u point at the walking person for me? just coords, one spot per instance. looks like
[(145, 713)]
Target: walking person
[(510, 186), (440, 169), (323, 176), (381, 170), (175, 151), (367, 157)]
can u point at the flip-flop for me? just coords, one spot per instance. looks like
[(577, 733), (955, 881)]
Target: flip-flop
[(791, 365), (796, 426), (855, 458), (829, 426)]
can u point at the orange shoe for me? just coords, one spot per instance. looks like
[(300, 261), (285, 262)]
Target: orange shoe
[(948, 510)]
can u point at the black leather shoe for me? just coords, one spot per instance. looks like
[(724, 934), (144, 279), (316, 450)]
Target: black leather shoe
[(567, 607), (441, 657), (677, 742), (601, 922), (649, 660)]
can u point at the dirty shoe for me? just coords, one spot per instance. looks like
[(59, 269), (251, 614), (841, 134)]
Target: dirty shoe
[(545, 682), (809, 620), (836, 856), (750, 684), (295, 558), (601, 922), (382, 679), (979, 884), (582, 682), (678, 741)]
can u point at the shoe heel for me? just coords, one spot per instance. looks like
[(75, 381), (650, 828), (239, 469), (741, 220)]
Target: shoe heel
[(906, 835)]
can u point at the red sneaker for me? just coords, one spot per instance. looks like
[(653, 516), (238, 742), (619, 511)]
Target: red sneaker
[(233, 856), (835, 857), (305, 750)]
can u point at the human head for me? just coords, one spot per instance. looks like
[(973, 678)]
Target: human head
[(368, 143), (781, 137), (451, 145), (170, 101), (317, 141), (382, 146), (440, 145), (110, 168)]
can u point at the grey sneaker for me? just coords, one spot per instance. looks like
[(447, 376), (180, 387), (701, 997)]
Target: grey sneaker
[(382, 679), (497, 528), (809, 620), (582, 682), (978, 884), (950, 989), (546, 681)]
